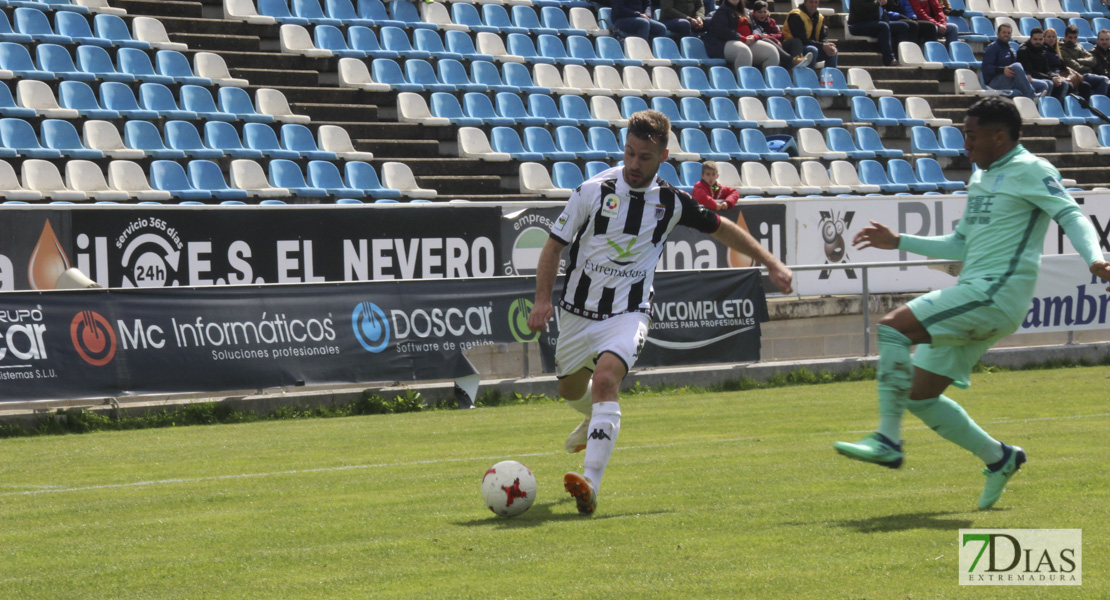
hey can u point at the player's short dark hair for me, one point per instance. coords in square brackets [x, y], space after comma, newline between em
[1071, 29]
[650, 125]
[1034, 31]
[999, 112]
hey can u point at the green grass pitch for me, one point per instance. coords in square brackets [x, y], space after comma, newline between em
[711, 495]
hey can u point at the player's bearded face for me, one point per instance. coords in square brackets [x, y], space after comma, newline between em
[642, 158]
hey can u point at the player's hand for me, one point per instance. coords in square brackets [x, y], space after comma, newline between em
[782, 277]
[542, 311]
[1101, 269]
[876, 235]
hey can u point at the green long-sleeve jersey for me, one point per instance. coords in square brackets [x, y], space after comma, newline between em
[1001, 234]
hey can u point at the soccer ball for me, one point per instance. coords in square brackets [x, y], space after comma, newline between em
[508, 488]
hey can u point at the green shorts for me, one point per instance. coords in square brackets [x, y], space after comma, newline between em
[963, 325]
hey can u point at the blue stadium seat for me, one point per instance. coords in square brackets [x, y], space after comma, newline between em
[396, 40]
[602, 138]
[724, 109]
[806, 79]
[610, 49]
[963, 29]
[386, 71]
[983, 27]
[520, 44]
[119, 97]
[694, 78]
[375, 11]
[631, 105]
[300, 139]
[936, 52]
[345, 12]
[453, 73]
[505, 139]
[924, 141]
[961, 5]
[574, 107]
[694, 140]
[260, 136]
[594, 167]
[754, 141]
[1051, 107]
[510, 106]
[551, 47]
[1087, 10]
[478, 106]
[324, 174]
[206, 175]
[901, 172]
[7, 34]
[868, 139]
[95, 60]
[329, 37]
[694, 48]
[518, 75]
[405, 12]
[1073, 108]
[18, 135]
[198, 99]
[1101, 103]
[566, 175]
[223, 136]
[1085, 32]
[459, 42]
[690, 112]
[725, 141]
[751, 78]
[690, 172]
[537, 139]
[544, 105]
[172, 63]
[961, 51]
[724, 79]
[15, 58]
[779, 78]
[446, 106]
[111, 27]
[951, 138]
[33, 22]
[420, 72]
[865, 111]
[286, 174]
[361, 175]
[428, 40]
[158, 98]
[311, 10]
[525, 17]
[1104, 135]
[183, 136]
[570, 139]
[8, 107]
[486, 73]
[238, 102]
[1027, 24]
[667, 173]
[580, 48]
[362, 39]
[497, 16]
[833, 79]
[809, 108]
[279, 10]
[928, 170]
[780, 108]
[137, 63]
[839, 139]
[871, 172]
[554, 18]
[466, 14]
[665, 48]
[891, 108]
[61, 135]
[57, 60]
[169, 176]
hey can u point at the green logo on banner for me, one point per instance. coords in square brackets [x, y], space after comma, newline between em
[518, 321]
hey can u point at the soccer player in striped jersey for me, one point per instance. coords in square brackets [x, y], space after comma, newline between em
[616, 224]
[1010, 201]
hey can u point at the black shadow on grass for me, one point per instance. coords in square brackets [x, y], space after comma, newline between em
[541, 514]
[906, 522]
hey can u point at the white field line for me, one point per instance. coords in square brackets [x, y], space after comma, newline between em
[55, 489]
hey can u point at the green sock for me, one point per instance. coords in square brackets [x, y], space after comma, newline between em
[895, 379]
[952, 423]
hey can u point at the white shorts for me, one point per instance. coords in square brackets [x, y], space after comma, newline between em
[582, 340]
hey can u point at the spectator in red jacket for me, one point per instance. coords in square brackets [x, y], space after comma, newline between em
[709, 193]
[931, 11]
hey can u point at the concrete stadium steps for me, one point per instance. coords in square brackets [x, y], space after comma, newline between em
[162, 8]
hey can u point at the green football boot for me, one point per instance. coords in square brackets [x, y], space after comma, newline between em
[1012, 459]
[875, 448]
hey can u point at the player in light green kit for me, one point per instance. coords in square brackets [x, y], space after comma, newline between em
[999, 239]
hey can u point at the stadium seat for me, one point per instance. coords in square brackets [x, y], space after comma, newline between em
[578, 77]
[813, 173]
[18, 138]
[279, 11]
[964, 32]
[811, 144]
[311, 10]
[667, 81]
[666, 49]
[145, 136]
[43, 177]
[861, 80]
[15, 59]
[865, 111]
[726, 110]
[891, 108]
[580, 47]
[128, 177]
[751, 78]
[154, 33]
[183, 136]
[755, 175]
[406, 13]
[7, 34]
[375, 11]
[754, 141]
[56, 59]
[868, 139]
[364, 41]
[509, 106]
[420, 72]
[871, 172]
[833, 79]
[460, 43]
[609, 78]
[398, 176]
[779, 108]
[778, 77]
[137, 63]
[575, 108]
[924, 141]
[570, 140]
[74, 95]
[491, 44]
[809, 108]
[158, 98]
[936, 52]
[551, 47]
[473, 143]
[478, 106]
[118, 97]
[206, 175]
[694, 112]
[694, 48]
[901, 172]
[535, 180]
[298, 138]
[95, 60]
[605, 109]
[969, 82]
[1027, 107]
[505, 140]
[446, 106]
[354, 74]
[103, 136]
[236, 102]
[170, 176]
[436, 13]
[566, 175]
[335, 139]
[918, 108]
[541, 105]
[928, 170]
[9, 108]
[286, 174]
[550, 77]
[594, 167]
[411, 108]
[344, 12]
[631, 105]
[844, 173]
[611, 50]
[694, 79]
[249, 176]
[325, 174]
[1051, 107]
[584, 19]
[695, 141]
[724, 140]
[751, 109]
[112, 27]
[38, 96]
[327, 40]
[453, 73]
[1074, 109]
[806, 83]
[839, 139]
[520, 77]
[602, 138]
[33, 22]
[429, 42]
[1104, 135]
[538, 139]
[785, 175]
[951, 138]
[272, 102]
[223, 137]
[11, 190]
[262, 137]
[61, 135]
[638, 49]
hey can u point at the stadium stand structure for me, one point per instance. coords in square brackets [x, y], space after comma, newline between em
[200, 50]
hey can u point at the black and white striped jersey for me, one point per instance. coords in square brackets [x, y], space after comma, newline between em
[616, 237]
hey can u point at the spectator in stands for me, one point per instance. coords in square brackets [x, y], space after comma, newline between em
[633, 18]
[1101, 52]
[683, 17]
[871, 18]
[1076, 58]
[1002, 71]
[805, 31]
[711, 194]
[921, 30]
[764, 26]
[1040, 63]
[729, 36]
[931, 11]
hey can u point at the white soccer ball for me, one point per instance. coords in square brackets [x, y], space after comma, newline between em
[508, 488]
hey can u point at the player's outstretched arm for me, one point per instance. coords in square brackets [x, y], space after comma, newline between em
[876, 235]
[546, 271]
[733, 236]
[1101, 269]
